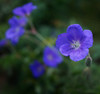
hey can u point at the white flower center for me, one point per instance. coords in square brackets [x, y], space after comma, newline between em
[50, 57]
[75, 44]
[39, 69]
[17, 29]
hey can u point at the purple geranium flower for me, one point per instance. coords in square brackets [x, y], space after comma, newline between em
[52, 57]
[16, 22]
[14, 40]
[24, 10]
[75, 43]
[37, 69]
[14, 34]
[3, 42]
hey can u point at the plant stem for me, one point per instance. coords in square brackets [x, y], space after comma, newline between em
[38, 35]
[29, 38]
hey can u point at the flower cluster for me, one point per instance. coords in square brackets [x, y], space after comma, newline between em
[75, 43]
[17, 24]
[51, 58]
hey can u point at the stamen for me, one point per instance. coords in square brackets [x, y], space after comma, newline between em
[75, 44]
[17, 29]
[50, 57]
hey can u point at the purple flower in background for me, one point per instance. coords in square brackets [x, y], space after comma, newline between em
[52, 57]
[24, 10]
[37, 69]
[14, 34]
[75, 43]
[14, 40]
[3, 42]
[16, 22]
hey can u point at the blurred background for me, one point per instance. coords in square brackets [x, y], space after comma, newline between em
[50, 19]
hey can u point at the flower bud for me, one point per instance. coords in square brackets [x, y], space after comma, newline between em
[88, 61]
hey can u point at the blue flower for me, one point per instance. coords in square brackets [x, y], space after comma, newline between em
[14, 34]
[37, 69]
[24, 10]
[75, 43]
[52, 57]
[3, 42]
[17, 22]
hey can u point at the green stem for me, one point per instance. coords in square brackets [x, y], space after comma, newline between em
[43, 39]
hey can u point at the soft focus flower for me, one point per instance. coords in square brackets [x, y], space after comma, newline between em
[52, 57]
[37, 69]
[14, 34]
[75, 42]
[24, 10]
[3, 42]
[14, 40]
[16, 22]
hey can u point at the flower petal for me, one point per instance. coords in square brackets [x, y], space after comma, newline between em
[20, 31]
[13, 21]
[88, 42]
[49, 63]
[3, 42]
[28, 8]
[75, 31]
[37, 69]
[10, 33]
[52, 57]
[22, 21]
[18, 11]
[62, 39]
[14, 40]
[79, 54]
[13, 32]
[66, 49]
